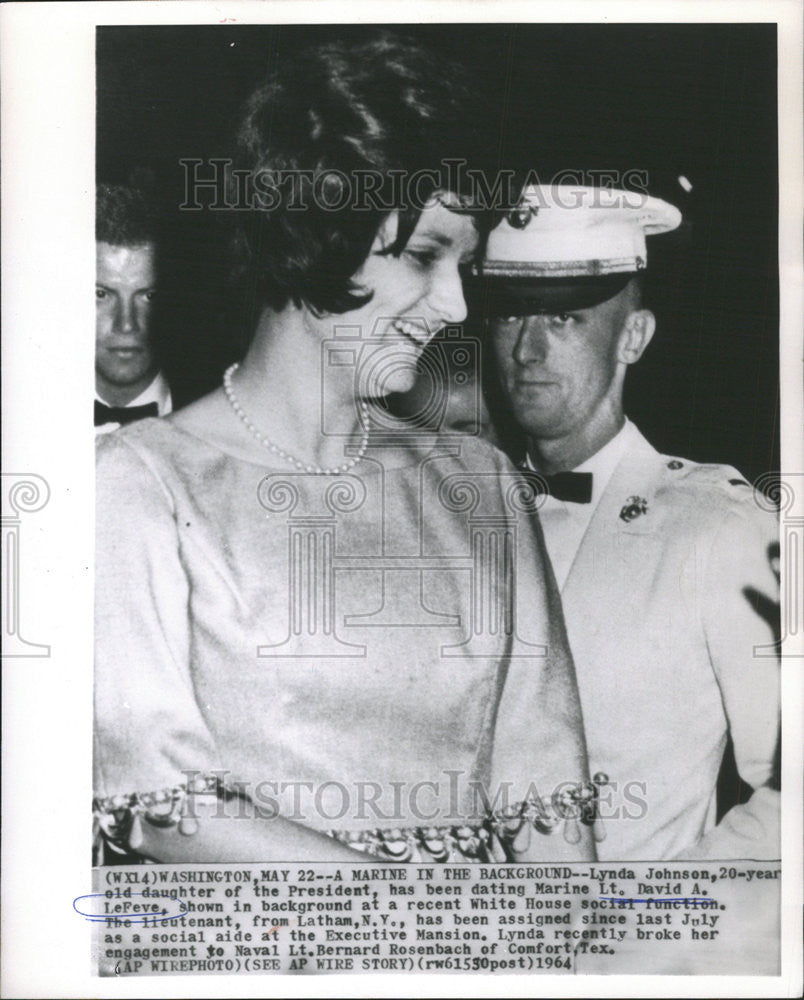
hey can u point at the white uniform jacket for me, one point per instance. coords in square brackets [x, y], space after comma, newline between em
[672, 650]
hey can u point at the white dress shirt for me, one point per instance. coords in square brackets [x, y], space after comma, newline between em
[157, 392]
[565, 523]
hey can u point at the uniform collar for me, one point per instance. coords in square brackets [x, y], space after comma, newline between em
[604, 461]
[602, 464]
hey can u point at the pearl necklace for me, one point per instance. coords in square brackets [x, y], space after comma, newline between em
[270, 446]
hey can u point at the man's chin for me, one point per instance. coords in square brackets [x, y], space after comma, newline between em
[535, 422]
[118, 389]
[126, 377]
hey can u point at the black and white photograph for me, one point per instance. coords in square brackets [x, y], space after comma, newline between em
[444, 537]
[265, 653]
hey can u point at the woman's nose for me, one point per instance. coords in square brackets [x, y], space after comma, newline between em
[447, 297]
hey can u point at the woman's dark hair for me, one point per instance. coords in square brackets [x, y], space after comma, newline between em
[340, 136]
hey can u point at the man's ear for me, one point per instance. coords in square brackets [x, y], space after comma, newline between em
[637, 333]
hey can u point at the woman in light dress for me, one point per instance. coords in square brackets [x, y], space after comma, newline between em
[320, 634]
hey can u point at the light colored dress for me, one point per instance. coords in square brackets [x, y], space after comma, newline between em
[360, 653]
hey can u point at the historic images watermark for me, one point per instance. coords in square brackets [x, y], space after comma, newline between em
[431, 815]
[451, 364]
[452, 797]
[23, 493]
[777, 492]
[317, 510]
[217, 184]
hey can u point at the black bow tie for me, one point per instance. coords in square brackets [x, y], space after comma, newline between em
[123, 414]
[574, 487]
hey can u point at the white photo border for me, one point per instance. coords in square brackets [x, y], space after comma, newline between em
[48, 93]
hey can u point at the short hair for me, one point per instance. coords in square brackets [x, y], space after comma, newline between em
[124, 216]
[388, 107]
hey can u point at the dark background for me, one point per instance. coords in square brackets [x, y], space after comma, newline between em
[692, 100]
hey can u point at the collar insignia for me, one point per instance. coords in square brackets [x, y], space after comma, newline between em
[634, 507]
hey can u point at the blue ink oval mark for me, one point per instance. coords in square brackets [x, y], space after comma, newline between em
[132, 915]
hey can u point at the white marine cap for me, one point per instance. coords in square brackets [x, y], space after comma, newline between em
[567, 231]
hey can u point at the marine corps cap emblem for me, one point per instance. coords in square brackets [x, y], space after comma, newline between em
[634, 506]
[519, 217]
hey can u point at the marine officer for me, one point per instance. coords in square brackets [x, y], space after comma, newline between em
[658, 558]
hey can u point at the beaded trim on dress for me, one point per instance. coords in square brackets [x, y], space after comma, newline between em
[501, 835]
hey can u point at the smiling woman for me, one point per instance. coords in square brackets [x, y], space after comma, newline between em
[418, 292]
[312, 635]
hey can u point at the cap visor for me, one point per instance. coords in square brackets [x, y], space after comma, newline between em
[531, 297]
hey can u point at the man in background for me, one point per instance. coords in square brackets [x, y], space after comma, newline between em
[659, 560]
[128, 383]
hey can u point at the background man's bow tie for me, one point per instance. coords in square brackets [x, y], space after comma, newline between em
[123, 414]
[575, 487]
